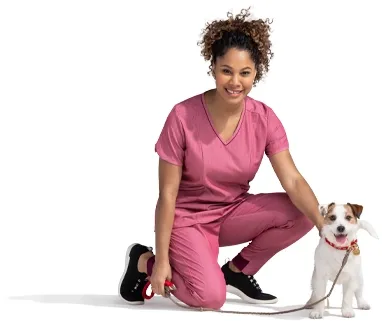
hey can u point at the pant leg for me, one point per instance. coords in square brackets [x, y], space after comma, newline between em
[270, 222]
[194, 264]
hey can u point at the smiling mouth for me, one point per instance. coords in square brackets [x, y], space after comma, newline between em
[341, 238]
[233, 92]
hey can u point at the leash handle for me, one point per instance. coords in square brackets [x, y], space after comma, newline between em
[168, 285]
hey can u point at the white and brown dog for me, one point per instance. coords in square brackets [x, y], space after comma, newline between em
[342, 222]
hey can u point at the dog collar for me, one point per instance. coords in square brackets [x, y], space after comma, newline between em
[354, 242]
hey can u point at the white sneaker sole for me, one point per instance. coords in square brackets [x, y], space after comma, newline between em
[127, 260]
[241, 295]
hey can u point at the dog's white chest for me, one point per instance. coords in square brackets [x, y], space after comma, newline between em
[333, 269]
[339, 233]
[330, 260]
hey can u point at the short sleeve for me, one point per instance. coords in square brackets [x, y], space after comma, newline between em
[277, 139]
[171, 143]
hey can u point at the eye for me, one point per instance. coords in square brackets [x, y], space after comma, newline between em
[348, 217]
[226, 71]
[246, 73]
[333, 218]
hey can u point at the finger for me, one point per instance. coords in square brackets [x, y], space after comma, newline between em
[158, 289]
[155, 288]
[161, 290]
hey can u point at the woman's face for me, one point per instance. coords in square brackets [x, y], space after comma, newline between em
[234, 74]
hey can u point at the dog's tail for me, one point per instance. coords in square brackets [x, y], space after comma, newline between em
[368, 227]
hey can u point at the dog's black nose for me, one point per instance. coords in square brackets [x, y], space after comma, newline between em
[341, 228]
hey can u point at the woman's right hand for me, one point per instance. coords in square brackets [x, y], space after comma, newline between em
[161, 272]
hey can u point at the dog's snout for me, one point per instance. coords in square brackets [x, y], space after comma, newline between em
[341, 228]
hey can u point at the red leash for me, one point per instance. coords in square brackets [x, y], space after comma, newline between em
[167, 284]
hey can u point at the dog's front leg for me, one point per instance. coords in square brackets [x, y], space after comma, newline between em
[319, 282]
[361, 302]
[347, 300]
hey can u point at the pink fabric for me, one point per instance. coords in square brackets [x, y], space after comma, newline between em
[270, 222]
[216, 174]
[214, 207]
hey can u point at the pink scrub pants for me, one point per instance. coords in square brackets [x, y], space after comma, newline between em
[270, 222]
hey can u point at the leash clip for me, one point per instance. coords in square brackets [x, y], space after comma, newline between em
[168, 287]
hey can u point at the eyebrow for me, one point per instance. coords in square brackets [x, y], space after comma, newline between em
[231, 67]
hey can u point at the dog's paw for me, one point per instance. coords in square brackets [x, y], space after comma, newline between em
[348, 313]
[315, 314]
[363, 305]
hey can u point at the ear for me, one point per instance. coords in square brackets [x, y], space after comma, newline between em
[324, 208]
[213, 66]
[368, 227]
[357, 209]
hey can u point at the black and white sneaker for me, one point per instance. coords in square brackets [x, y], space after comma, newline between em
[245, 287]
[132, 281]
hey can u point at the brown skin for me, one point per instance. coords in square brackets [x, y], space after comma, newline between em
[225, 111]
[235, 70]
[296, 187]
[169, 180]
[257, 29]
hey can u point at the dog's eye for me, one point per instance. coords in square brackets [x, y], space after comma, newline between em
[333, 218]
[348, 217]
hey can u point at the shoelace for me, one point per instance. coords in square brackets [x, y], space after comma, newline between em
[250, 277]
[304, 307]
[254, 282]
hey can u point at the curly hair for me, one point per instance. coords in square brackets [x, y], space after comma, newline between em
[241, 33]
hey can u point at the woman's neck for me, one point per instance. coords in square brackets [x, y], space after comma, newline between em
[218, 107]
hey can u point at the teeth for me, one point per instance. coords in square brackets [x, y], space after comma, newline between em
[233, 92]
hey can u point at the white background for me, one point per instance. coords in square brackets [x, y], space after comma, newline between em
[85, 90]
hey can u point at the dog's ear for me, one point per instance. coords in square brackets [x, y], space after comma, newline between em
[368, 227]
[324, 208]
[357, 209]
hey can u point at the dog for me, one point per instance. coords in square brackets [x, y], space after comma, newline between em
[342, 222]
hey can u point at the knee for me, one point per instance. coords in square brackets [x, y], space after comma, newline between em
[211, 299]
[210, 294]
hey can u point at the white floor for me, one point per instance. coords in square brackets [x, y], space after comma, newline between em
[110, 307]
[78, 171]
[77, 279]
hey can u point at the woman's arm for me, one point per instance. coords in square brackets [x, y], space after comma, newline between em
[169, 179]
[296, 187]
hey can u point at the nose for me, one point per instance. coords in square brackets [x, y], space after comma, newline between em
[341, 228]
[234, 80]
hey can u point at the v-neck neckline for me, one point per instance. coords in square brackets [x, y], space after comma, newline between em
[225, 143]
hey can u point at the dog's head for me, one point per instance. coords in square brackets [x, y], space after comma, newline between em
[342, 222]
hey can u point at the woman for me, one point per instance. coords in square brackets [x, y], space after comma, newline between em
[210, 148]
